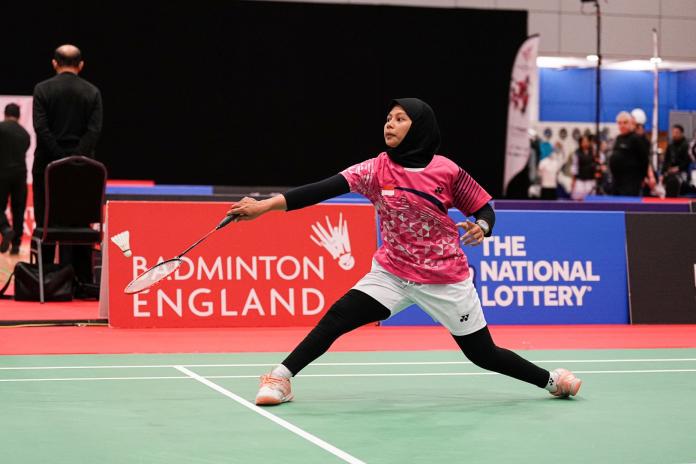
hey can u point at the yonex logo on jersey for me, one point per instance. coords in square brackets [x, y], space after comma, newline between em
[439, 190]
[464, 318]
[335, 240]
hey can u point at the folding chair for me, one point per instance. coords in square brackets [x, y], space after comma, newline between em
[74, 213]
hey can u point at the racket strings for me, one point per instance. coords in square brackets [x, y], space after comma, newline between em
[153, 275]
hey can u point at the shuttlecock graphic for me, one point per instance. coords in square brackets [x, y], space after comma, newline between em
[122, 241]
[335, 240]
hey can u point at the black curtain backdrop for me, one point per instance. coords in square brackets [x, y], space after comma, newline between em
[263, 93]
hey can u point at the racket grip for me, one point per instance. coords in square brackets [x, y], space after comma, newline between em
[227, 220]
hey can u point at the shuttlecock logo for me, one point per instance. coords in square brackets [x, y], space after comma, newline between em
[335, 240]
[122, 242]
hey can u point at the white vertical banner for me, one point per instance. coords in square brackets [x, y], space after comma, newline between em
[523, 85]
[25, 119]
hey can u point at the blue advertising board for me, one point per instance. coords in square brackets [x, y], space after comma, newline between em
[547, 267]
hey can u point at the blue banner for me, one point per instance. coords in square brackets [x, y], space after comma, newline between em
[547, 268]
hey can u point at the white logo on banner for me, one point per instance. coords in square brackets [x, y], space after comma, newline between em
[335, 240]
[539, 282]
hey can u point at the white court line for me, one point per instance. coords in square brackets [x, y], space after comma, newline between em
[396, 363]
[283, 423]
[405, 374]
[63, 379]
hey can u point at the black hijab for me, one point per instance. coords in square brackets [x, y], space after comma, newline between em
[422, 140]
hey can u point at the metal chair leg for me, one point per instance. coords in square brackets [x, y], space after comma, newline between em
[41, 275]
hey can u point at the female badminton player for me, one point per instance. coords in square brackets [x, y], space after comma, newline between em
[420, 260]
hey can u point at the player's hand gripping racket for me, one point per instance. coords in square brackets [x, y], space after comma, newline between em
[164, 269]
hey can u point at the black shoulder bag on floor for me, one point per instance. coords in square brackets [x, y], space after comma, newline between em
[59, 280]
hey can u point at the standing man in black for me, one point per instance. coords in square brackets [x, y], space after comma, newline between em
[629, 159]
[14, 143]
[675, 169]
[67, 121]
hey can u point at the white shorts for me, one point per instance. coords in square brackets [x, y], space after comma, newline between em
[455, 306]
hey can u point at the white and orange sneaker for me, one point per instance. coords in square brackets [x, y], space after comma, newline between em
[273, 390]
[566, 383]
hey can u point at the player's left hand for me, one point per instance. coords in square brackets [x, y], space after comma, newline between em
[473, 235]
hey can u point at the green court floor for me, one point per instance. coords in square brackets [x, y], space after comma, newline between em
[635, 406]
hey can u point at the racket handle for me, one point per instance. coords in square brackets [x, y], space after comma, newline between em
[227, 220]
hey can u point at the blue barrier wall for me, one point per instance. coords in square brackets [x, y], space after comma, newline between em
[569, 95]
[686, 88]
[514, 270]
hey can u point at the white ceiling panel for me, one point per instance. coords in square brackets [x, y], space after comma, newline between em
[678, 38]
[547, 26]
[487, 4]
[614, 7]
[421, 3]
[531, 5]
[628, 36]
[678, 8]
[577, 34]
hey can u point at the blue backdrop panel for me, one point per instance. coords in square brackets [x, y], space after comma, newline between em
[548, 268]
[569, 94]
[686, 90]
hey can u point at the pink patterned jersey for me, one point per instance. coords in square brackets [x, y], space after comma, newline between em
[420, 242]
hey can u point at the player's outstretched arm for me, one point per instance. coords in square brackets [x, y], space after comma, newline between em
[296, 198]
[250, 208]
[311, 194]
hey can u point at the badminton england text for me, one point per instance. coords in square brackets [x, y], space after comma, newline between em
[528, 274]
[206, 302]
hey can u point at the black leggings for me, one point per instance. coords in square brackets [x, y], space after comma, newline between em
[356, 309]
[352, 310]
[482, 351]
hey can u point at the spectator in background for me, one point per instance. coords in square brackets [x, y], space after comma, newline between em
[545, 147]
[691, 180]
[67, 121]
[14, 143]
[602, 177]
[675, 169]
[629, 159]
[639, 119]
[548, 169]
[584, 169]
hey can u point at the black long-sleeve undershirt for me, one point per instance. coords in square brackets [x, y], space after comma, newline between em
[311, 194]
[487, 214]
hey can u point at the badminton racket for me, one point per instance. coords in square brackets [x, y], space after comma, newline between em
[164, 269]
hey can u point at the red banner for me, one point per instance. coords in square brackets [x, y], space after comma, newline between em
[284, 269]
